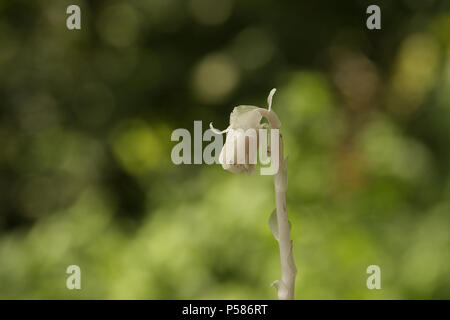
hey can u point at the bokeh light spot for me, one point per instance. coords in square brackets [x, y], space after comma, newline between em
[137, 147]
[215, 77]
[253, 48]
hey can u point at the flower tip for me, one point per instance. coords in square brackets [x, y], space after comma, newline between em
[215, 130]
[270, 97]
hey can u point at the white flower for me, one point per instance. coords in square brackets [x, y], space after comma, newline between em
[242, 134]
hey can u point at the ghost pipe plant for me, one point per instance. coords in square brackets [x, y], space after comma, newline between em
[242, 119]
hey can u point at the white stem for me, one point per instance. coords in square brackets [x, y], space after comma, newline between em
[286, 285]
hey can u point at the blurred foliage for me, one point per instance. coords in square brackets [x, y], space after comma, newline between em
[85, 170]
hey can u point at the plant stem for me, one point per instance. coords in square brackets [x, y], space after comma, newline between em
[286, 286]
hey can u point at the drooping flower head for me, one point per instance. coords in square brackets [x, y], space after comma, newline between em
[242, 134]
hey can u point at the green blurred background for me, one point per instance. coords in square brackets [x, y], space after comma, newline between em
[86, 176]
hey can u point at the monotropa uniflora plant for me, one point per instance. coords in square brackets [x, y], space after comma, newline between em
[242, 119]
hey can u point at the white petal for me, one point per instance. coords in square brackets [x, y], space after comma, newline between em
[245, 117]
[217, 131]
[269, 98]
[272, 117]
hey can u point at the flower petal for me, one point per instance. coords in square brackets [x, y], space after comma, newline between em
[216, 131]
[245, 117]
[270, 97]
